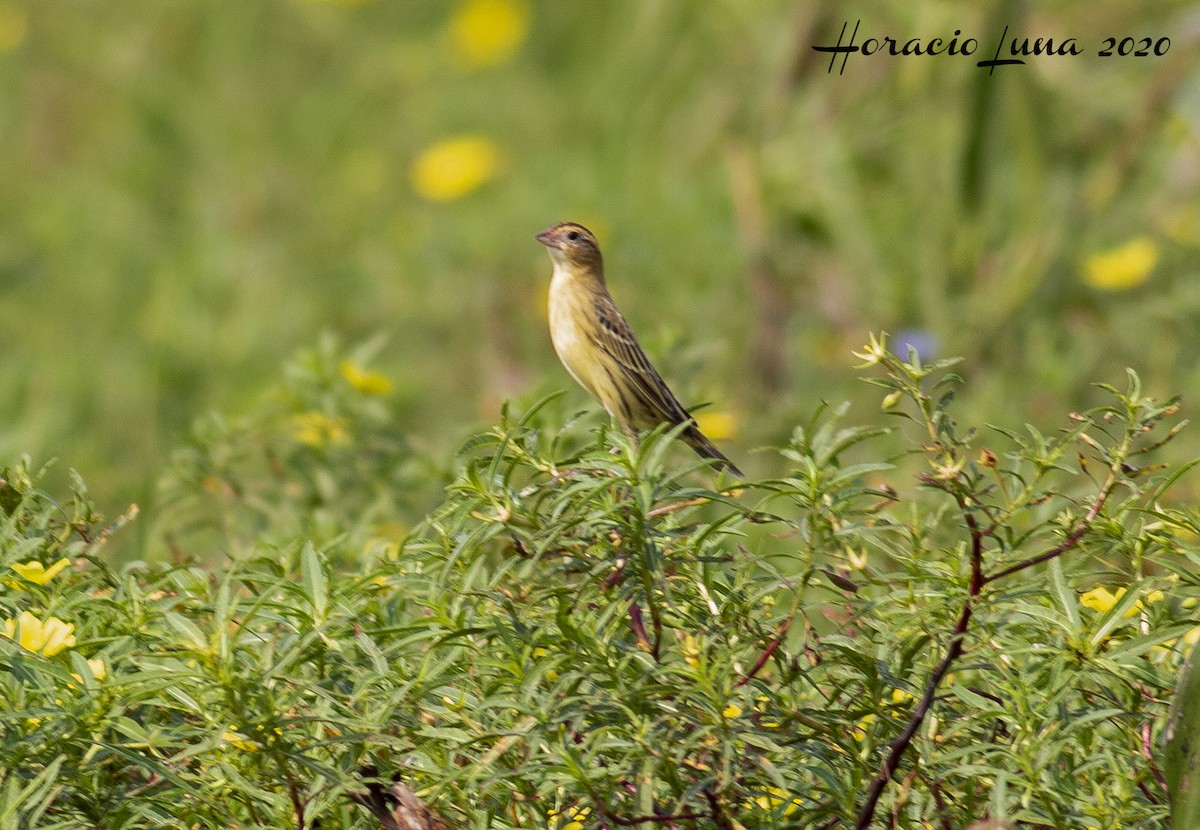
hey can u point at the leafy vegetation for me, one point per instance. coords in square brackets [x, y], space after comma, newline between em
[584, 633]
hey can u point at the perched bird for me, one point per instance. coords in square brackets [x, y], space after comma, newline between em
[594, 342]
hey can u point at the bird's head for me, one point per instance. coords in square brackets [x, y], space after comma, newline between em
[572, 245]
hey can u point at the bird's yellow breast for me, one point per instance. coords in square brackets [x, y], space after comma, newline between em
[572, 324]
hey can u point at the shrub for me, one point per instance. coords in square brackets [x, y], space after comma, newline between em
[582, 634]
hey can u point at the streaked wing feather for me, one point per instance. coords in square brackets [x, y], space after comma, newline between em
[616, 339]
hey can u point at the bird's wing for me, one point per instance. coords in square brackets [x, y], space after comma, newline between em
[614, 337]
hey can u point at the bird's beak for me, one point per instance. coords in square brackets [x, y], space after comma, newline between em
[548, 238]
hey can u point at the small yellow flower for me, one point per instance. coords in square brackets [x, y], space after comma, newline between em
[731, 711]
[369, 383]
[860, 731]
[773, 797]
[488, 32]
[96, 667]
[48, 638]
[691, 651]
[320, 430]
[235, 738]
[1193, 636]
[1124, 267]
[1100, 598]
[873, 352]
[14, 26]
[574, 816]
[455, 167]
[900, 700]
[718, 426]
[37, 573]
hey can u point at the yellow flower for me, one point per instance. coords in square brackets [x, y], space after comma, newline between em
[48, 638]
[691, 651]
[237, 739]
[873, 352]
[488, 32]
[37, 573]
[773, 797]
[14, 26]
[900, 700]
[1124, 267]
[96, 667]
[575, 817]
[860, 731]
[319, 430]
[731, 711]
[1101, 599]
[717, 425]
[454, 167]
[369, 383]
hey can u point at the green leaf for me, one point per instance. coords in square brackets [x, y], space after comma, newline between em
[1181, 746]
[316, 584]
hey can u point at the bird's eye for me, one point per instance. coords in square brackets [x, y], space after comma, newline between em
[573, 236]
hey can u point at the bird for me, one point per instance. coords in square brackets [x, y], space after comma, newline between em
[598, 348]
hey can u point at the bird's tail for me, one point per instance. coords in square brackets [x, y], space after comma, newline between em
[705, 449]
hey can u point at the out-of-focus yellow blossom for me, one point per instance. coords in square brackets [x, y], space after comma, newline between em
[900, 700]
[488, 32]
[860, 731]
[48, 638]
[538, 654]
[369, 383]
[731, 711]
[234, 738]
[1193, 636]
[773, 797]
[454, 167]
[1101, 599]
[96, 667]
[1124, 267]
[691, 651]
[14, 26]
[717, 425]
[320, 430]
[37, 573]
[574, 817]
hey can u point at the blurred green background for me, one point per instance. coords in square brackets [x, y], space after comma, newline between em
[193, 191]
